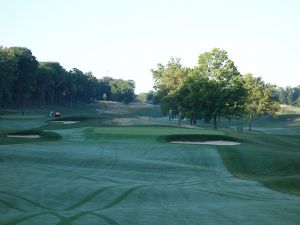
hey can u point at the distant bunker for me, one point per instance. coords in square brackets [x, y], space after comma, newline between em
[202, 139]
[63, 122]
[31, 136]
[34, 134]
[68, 120]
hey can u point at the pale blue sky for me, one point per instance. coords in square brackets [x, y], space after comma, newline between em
[125, 39]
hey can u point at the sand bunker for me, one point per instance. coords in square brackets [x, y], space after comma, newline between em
[63, 122]
[23, 136]
[206, 142]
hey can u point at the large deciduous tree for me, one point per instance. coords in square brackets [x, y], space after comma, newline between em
[226, 94]
[260, 98]
[167, 81]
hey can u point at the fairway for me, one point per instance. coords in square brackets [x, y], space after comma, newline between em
[149, 112]
[128, 175]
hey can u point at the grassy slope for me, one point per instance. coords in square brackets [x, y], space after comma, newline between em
[271, 156]
[269, 159]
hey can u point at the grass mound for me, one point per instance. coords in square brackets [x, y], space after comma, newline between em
[272, 160]
[19, 137]
[288, 184]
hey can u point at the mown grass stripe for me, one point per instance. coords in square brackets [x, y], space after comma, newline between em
[120, 198]
[26, 200]
[12, 206]
[107, 219]
[88, 198]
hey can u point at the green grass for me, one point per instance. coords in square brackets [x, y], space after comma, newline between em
[269, 159]
[153, 112]
[131, 175]
[272, 160]
[141, 132]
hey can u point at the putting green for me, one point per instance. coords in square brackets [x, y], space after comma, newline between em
[128, 176]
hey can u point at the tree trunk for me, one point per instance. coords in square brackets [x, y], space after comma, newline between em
[215, 122]
[71, 101]
[191, 121]
[17, 91]
[52, 97]
[179, 119]
[250, 123]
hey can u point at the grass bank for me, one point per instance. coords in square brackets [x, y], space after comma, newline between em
[272, 160]
[10, 136]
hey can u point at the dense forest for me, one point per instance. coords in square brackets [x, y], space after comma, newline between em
[25, 82]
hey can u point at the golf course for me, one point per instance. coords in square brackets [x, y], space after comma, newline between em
[108, 163]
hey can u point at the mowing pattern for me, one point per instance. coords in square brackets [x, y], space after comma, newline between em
[90, 178]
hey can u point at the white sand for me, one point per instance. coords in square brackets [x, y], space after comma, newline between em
[64, 122]
[23, 136]
[206, 142]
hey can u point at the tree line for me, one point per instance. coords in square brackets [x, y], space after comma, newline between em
[289, 95]
[25, 82]
[211, 90]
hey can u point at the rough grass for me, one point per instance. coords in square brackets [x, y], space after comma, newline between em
[270, 159]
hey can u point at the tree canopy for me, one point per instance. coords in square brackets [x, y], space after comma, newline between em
[213, 89]
[261, 98]
[25, 82]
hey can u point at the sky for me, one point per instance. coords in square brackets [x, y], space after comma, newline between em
[127, 38]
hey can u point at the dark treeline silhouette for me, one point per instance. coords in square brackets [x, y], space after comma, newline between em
[25, 82]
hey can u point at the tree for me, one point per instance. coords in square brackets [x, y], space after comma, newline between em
[24, 81]
[122, 91]
[167, 81]
[54, 79]
[26, 68]
[105, 88]
[43, 83]
[226, 94]
[194, 98]
[142, 97]
[146, 97]
[289, 95]
[92, 86]
[260, 98]
[7, 76]
[295, 95]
